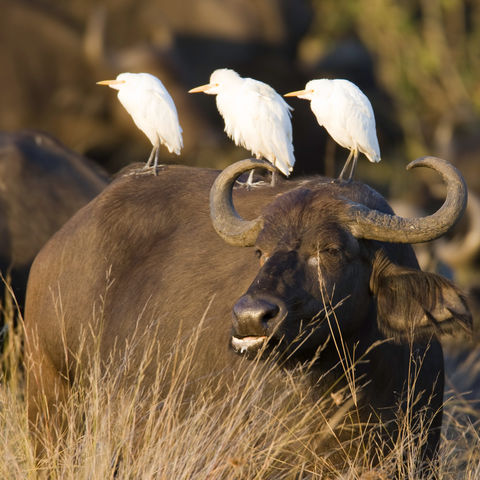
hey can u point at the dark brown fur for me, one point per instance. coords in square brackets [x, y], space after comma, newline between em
[154, 236]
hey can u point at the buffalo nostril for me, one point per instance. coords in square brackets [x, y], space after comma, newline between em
[252, 315]
[271, 311]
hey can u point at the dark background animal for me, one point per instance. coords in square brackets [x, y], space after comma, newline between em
[42, 184]
[145, 250]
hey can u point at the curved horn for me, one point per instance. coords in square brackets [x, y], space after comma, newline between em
[226, 221]
[375, 225]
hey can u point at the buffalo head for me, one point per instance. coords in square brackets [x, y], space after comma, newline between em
[329, 261]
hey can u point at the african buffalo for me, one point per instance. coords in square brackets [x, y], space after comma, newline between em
[321, 259]
[42, 184]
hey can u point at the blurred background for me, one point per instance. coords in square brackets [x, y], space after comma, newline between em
[417, 60]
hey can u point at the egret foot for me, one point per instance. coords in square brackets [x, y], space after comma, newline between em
[250, 186]
[147, 170]
[153, 156]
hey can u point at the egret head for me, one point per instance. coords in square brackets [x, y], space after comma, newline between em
[133, 81]
[118, 83]
[221, 78]
[312, 88]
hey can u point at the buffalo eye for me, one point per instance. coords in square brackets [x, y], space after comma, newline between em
[333, 251]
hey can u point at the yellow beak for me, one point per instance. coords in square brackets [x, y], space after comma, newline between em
[202, 88]
[297, 93]
[110, 82]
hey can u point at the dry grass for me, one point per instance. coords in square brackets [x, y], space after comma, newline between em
[258, 428]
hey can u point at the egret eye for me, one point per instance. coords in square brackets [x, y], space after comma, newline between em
[258, 253]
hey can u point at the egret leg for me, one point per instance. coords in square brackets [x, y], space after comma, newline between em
[249, 183]
[347, 163]
[150, 158]
[354, 165]
[155, 163]
[273, 180]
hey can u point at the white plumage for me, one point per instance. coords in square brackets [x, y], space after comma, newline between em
[152, 109]
[256, 116]
[347, 115]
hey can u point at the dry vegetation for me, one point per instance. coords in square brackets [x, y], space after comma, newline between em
[254, 430]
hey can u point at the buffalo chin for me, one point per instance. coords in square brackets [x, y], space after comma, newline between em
[248, 344]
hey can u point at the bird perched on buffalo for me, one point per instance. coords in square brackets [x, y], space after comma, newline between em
[256, 117]
[152, 109]
[347, 115]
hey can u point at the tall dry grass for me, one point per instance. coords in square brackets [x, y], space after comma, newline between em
[268, 424]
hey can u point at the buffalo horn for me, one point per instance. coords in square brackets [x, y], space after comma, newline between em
[375, 225]
[226, 221]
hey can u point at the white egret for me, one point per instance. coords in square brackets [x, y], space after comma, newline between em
[347, 115]
[152, 109]
[256, 117]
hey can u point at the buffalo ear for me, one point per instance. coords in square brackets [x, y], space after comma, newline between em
[412, 304]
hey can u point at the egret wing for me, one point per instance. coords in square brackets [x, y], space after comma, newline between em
[163, 114]
[267, 124]
[359, 120]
